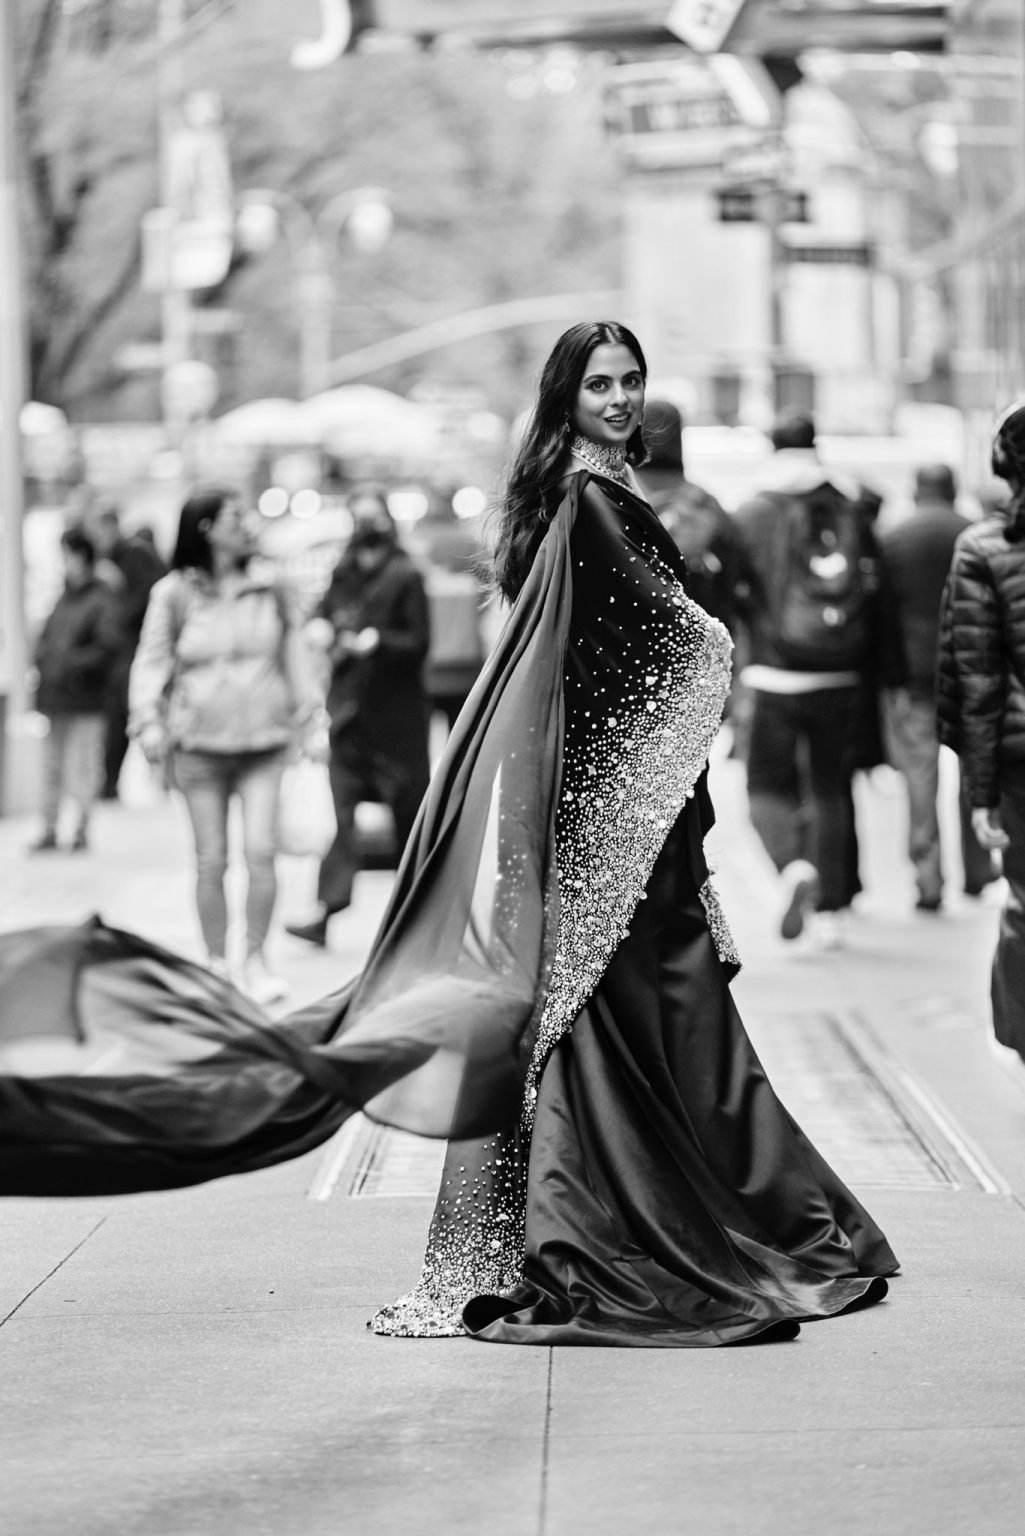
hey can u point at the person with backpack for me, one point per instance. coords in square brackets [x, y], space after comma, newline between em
[219, 690]
[810, 602]
[701, 530]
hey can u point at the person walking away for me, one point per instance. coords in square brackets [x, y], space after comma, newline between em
[376, 610]
[981, 704]
[220, 688]
[702, 531]
[451, 556]
[131, 566]
[75, 653]
[811, 610]
[916, 557]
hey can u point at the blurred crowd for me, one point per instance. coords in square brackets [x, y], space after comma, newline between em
[223, 672]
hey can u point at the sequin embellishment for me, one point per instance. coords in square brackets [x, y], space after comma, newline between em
[626, 777]
[625, 782]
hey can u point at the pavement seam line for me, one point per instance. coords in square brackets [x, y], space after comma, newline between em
[546, 1436]
[60, 1265]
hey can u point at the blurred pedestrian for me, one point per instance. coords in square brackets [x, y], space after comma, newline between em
[377, 630]
[130, 565]
[75, 653]
[981, 703]
[220, 689]
[701, 530]
[810, 604]
[451, 554]
[916, 557]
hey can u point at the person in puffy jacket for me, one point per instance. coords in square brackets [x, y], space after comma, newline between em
[220, 688]
[74, 657]
[981, 703]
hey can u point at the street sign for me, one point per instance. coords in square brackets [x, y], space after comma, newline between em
[737, 205]
[853, 255]
[703, 25]
[768, 160]
[748, 204]
[673, 112]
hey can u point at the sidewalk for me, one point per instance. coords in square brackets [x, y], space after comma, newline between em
[196, 1363]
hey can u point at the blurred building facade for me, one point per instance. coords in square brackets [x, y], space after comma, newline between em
[986, 261]
[752, 216]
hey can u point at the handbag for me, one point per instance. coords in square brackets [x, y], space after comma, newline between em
[306, 810]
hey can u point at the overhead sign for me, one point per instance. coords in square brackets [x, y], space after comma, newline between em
[704, 25]
[674, 113]
[854, 255]
[748, 205]
[766, 160]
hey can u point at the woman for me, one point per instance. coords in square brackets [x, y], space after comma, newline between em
[549, 987]
[981, 703]
[219, 690]
[375, 610]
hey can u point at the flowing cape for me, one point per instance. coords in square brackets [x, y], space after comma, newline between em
[125, 1067]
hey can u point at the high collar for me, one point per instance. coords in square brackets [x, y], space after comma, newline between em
[608, 459]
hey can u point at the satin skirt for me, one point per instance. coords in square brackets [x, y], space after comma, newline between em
[671, 1199]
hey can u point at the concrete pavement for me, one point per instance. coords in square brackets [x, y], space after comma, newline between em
[196, 1363]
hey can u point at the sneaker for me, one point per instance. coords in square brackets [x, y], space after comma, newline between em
[80, 842]
[801, 887]
[826, 930]
[314, 932]
[46, 842]
[220, 968]
[929, 904]
[260, 984]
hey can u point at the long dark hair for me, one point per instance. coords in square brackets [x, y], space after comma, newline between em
[201, 509]
[532, 490]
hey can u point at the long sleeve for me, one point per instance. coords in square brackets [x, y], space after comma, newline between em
[406, 641]
[100, 642]
[306, 696]
[154, 663]
[972, 633]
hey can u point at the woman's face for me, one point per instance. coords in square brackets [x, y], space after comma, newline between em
[610, 400]
[231, 531]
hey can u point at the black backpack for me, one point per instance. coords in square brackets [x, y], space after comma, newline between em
[826, 579]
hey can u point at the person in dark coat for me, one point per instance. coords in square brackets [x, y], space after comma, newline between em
[701, 530]
[131, 567]
[377, 704]
[75, 654]
[916, 555]
[981, 703]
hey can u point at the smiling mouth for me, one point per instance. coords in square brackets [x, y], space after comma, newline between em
[618, 421]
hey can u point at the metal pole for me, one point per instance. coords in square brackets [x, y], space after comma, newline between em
[175, 311]
[315, 295]
[12, 390]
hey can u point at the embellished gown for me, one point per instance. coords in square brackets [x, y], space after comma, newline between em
[549, 991]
